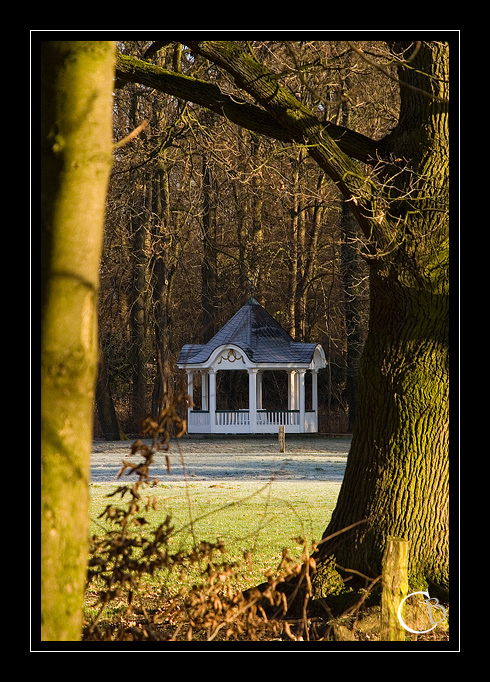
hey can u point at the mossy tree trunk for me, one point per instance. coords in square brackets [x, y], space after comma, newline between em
[397, 470]
[398, 466]
[76, 138]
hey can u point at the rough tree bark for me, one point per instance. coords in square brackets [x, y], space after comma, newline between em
[397, 470]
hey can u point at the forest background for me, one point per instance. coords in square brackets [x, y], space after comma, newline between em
[202, 212]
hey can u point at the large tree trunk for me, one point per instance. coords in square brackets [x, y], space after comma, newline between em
[76, 136]
[397, 471]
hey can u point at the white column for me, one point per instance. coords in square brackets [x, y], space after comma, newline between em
[259, 390]
[190, 384]
[301, 398]
[292, 393]
[314, 395]
[314, 390]
[212, 399]
[190, 393]
[204, 391]
[252, 399]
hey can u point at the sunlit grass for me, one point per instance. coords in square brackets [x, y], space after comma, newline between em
[257, 518]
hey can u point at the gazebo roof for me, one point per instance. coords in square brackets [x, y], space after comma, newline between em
[257, 334]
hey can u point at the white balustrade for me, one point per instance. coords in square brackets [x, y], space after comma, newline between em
[232, 418]
[238, 421]
[198, 419]
[278, 417]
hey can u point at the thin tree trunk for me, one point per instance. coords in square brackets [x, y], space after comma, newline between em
[138, 324]
[351, 275]
[310, 256]
[257, 236]
[163, 270]
[293, 255]
[106, 411]
[209, 261]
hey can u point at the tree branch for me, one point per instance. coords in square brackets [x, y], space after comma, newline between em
[282, 117]
[303, 125]
[132, 70]
[250, 116]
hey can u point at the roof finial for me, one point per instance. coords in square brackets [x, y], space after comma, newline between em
[251, 300]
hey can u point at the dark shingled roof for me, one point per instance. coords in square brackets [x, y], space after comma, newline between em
[258, 335]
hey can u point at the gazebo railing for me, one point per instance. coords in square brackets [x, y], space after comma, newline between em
[232, 418]
[278, 417]
[199, 419]
[239, 420]
[264, 418]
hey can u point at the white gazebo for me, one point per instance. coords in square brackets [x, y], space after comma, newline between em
[254, 342]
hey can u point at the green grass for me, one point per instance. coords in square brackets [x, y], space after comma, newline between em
[253, 517]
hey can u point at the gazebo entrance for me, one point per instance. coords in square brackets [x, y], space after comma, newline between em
[254, 343]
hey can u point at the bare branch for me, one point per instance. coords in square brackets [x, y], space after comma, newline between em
[131, 135]
[385, 71]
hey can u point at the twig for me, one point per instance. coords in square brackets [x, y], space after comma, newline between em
[131, 135]
[343, 530]
[384, 71]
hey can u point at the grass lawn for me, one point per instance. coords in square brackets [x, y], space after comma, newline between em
[253, 517]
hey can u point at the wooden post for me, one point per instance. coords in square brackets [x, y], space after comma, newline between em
[395, 589]
[282, 439]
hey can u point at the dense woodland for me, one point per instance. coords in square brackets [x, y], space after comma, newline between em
[201, 212]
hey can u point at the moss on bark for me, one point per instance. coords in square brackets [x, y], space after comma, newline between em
[76, 142]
